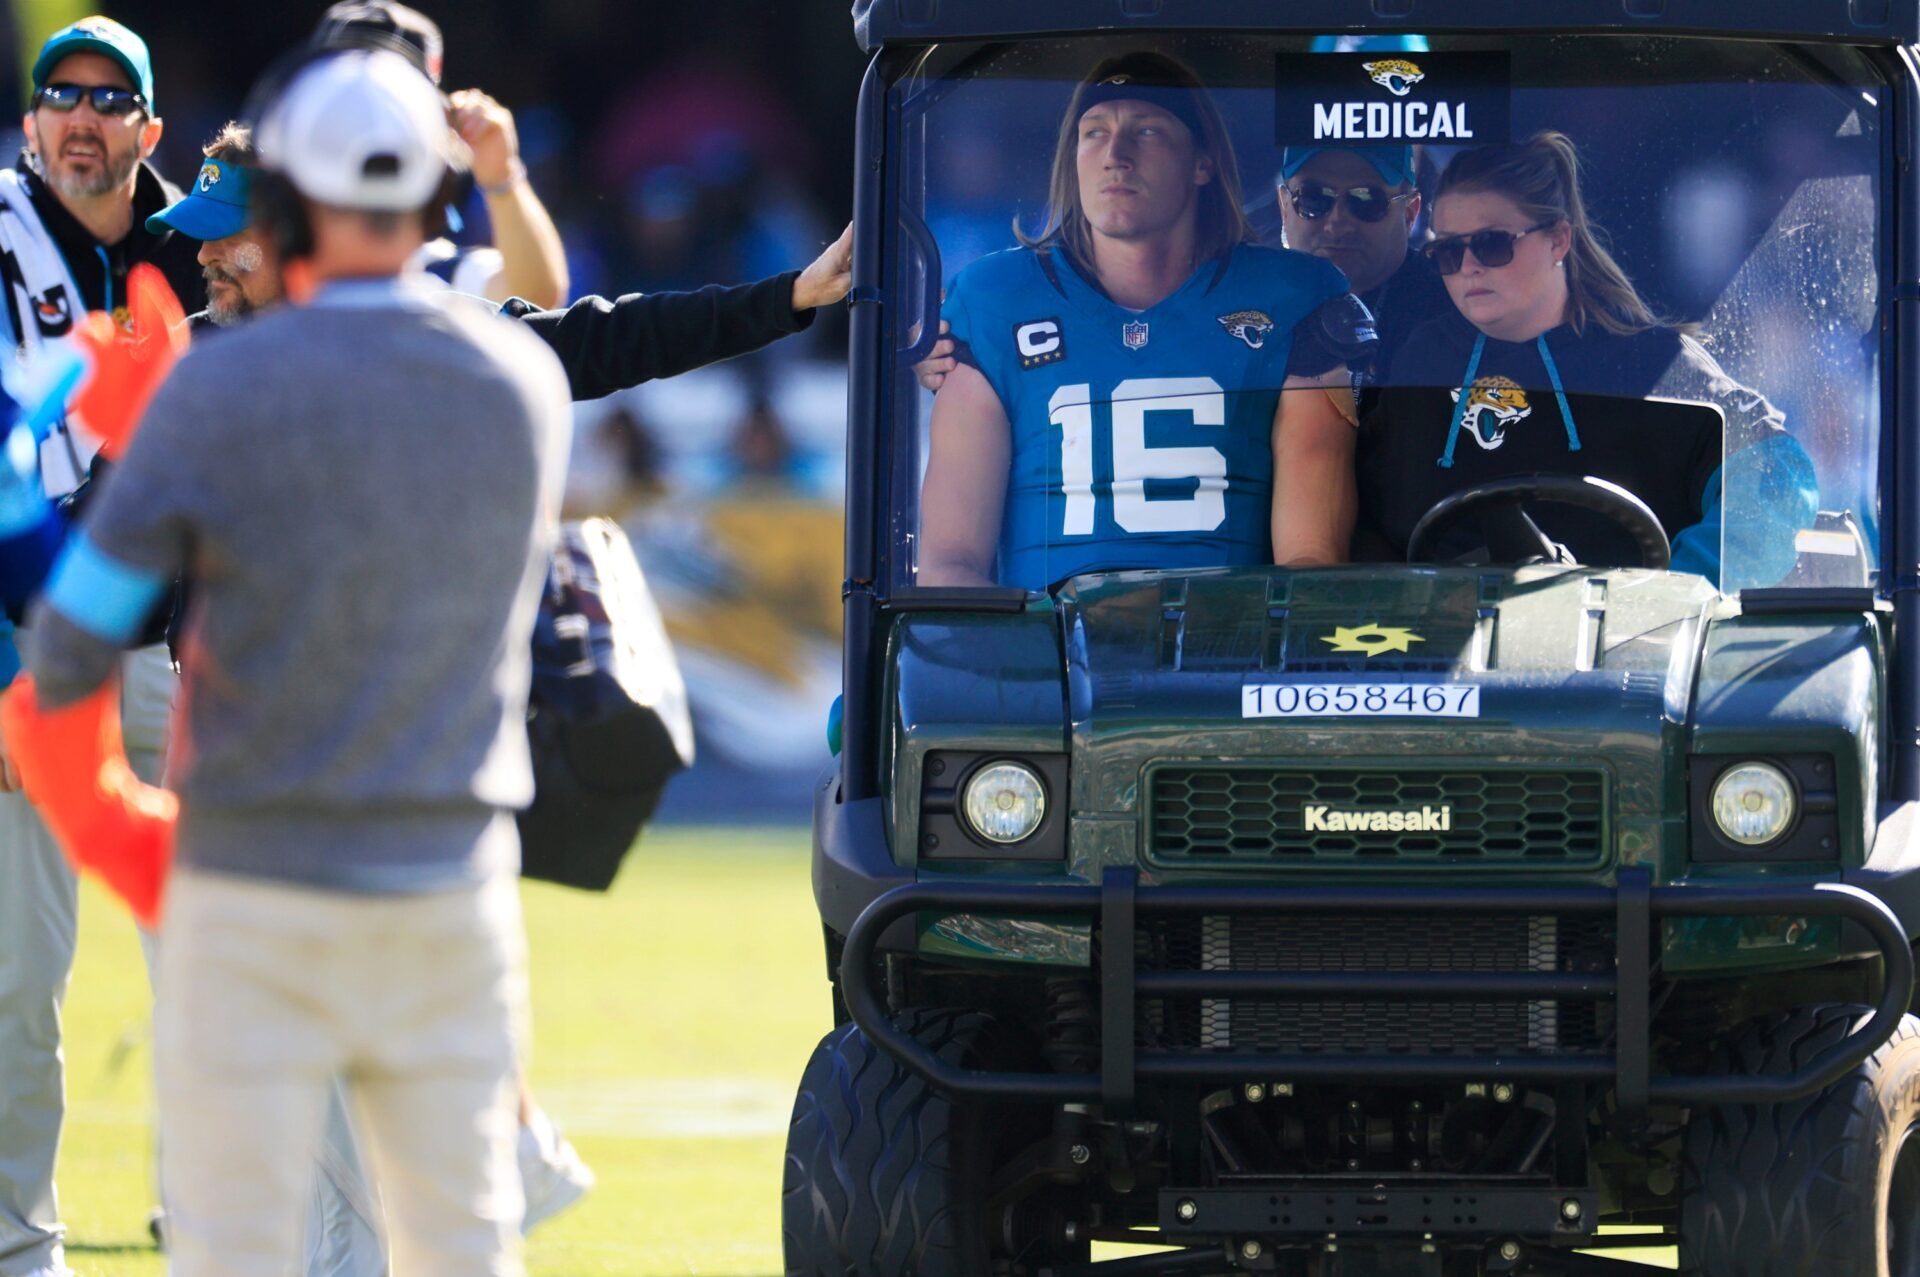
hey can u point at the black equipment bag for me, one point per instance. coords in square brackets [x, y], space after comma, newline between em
[607, 718]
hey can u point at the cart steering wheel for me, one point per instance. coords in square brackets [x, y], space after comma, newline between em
[1512, 537]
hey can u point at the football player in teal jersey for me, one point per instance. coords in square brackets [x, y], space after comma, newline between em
[1139, 386]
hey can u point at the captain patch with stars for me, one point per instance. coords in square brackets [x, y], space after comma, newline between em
[1039, 342]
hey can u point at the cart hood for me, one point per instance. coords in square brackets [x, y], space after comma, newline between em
[1567, 665]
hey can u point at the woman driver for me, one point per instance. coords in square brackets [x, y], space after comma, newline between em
[1544, 366]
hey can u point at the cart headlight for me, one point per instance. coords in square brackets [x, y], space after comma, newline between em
[1004, 802]
[1753, 803]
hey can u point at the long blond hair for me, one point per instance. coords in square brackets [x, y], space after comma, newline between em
[1219, 223]
[1542, 176]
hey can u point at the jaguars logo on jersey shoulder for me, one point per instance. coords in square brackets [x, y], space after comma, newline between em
[1396, 75]
[1494, 404]
[1250, 326]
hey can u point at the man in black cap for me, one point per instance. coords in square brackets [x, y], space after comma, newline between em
[527, 258]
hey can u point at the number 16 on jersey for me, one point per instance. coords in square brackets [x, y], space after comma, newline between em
[1202, 401]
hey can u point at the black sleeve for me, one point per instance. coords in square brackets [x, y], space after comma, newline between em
[1340, 331]
[609, 345]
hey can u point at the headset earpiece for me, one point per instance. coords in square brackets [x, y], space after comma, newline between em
[281, 215]
[434, 216]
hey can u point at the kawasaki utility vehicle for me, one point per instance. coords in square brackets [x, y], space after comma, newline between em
[1476, 906]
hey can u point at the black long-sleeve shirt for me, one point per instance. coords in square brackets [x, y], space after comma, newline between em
[609, 345]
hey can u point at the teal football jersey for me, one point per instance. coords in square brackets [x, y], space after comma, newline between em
[1140, 440]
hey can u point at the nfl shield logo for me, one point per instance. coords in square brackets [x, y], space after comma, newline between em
[1134, 334]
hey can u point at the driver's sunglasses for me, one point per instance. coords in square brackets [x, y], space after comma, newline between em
[1492, 248]
[1364, 203]
[106, 99]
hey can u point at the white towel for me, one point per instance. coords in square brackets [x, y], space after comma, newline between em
[42, 305]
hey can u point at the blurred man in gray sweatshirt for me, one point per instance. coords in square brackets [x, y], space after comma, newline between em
[367, 560]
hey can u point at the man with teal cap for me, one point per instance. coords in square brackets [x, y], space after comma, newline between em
[84, 189]
[72, 224]
[237, 262]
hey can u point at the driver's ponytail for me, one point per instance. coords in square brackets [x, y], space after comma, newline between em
[1542, 176]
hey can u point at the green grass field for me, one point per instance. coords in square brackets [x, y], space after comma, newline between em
[671, 1021]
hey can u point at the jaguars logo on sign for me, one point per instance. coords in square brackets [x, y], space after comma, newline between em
[1493, 405]
[1379, 100]
[1396, 75]
[208, 179]
[1250, 326]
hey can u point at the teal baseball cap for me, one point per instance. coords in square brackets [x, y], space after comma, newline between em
[214, 208]
[104, 36]
[1394, 164]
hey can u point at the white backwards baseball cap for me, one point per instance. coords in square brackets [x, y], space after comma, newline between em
[361, 129]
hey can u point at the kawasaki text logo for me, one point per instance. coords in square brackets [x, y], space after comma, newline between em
[1322, 819]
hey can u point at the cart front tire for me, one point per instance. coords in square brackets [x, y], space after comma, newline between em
[1825, 1186]
[885, 1175]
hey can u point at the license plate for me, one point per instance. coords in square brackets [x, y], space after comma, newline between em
[1360, 700]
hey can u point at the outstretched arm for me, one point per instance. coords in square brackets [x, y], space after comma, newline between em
[970, 448]
[610, 345]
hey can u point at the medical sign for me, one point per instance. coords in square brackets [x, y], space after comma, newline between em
[1379, 99]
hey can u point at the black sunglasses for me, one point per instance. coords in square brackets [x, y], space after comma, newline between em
[1492, 248]
[1364, 203]
[106, 99]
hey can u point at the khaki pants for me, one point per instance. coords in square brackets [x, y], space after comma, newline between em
[266, 993]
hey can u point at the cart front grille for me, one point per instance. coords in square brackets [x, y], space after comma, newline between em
[1258, 815]
[1378, 944]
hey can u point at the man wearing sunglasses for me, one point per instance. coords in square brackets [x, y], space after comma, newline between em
[90, 127]
[72, 224]
[1357, 209]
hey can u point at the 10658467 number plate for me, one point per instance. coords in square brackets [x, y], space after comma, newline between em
[1360, 700]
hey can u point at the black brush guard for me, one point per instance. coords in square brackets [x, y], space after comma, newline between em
[1633, 904]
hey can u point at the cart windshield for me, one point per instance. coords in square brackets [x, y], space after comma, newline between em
[1221, 300]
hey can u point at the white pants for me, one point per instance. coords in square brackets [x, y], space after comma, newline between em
[266, 993]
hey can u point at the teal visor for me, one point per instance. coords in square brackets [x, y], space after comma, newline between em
[215, 208]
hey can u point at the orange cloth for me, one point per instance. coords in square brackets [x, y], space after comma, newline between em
[74, 769]
[129, 366]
